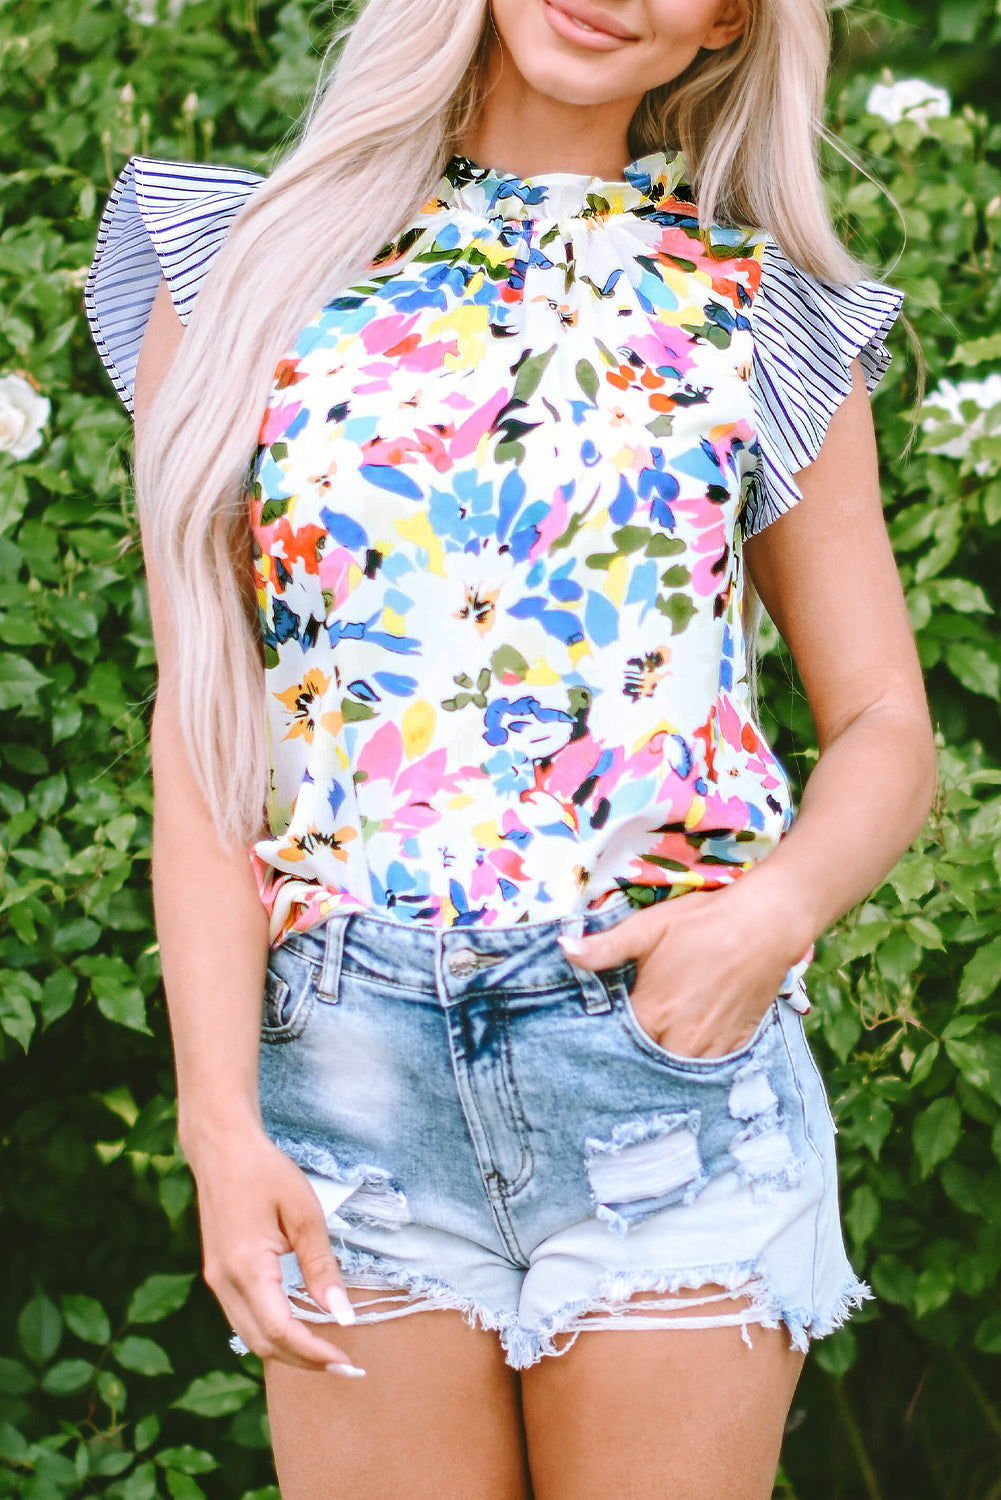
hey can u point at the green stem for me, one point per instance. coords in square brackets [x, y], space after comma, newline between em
[855, 1438]
[991, 1416]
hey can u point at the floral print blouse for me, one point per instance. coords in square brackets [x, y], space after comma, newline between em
[499, 500]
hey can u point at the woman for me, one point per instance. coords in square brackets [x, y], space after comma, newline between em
[508, 492]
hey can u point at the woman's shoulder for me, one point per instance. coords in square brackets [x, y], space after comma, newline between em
[162, 218]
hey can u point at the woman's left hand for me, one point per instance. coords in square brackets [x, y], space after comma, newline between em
[710, 964]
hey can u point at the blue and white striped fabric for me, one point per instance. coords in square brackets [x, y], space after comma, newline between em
[806, 335]
[163, 218]
[169, 218]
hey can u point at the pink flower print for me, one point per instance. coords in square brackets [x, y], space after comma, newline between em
[747, 745]
[709, 572]
[277, 421]
[335, 572]
[676, 245]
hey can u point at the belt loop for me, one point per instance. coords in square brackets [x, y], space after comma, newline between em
[593, 993]
[333, 953]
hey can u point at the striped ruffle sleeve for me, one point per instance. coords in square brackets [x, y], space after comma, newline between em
[806, 335]
[162, 218]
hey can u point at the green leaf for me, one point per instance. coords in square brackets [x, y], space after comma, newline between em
[837, 1353]
[898, 957]
[140, 1485]
[974, 668]
[158, 1296]
[893, 1279]
[147, 1430]
[933, 1289]
[936, 1133]
[142, 1355]
[17, 1018]
[217, 1394]
[862, 1214]
[14, 1447]
[86, 1318]
[183, 1487]
[188, 1459]
[978, 351]
[982, 975]
[20, 684]
[988, 1336]
[979, 1062]
[40, 1328]
[67, 1376]
[15, 1378]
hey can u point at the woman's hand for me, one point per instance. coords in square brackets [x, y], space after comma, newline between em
[255, 1204]
[710, 964]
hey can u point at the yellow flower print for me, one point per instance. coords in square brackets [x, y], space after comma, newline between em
[302, 700]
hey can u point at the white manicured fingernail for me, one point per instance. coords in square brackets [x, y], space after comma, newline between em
[339, 1304]
[353, 1371]
[572, 947]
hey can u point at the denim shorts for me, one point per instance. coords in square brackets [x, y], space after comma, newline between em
[490, 1129]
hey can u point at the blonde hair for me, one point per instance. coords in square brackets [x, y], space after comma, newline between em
[404, 84]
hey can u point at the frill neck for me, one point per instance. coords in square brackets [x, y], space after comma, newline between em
[489, 193]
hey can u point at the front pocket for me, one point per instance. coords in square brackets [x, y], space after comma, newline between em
[289, 998]
[618, 989]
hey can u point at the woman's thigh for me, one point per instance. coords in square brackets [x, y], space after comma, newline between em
[438, 1414]
[693, 1414]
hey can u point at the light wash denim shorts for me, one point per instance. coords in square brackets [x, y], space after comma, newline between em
[490, 1129]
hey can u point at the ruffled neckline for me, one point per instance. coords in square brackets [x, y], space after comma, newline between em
[492, 194]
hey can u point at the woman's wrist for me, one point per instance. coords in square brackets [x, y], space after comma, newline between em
[775, 912]
[206, 1129]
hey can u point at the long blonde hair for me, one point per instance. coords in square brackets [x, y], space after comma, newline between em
[401, 87]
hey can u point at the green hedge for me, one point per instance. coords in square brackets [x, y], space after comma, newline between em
[115, 1377]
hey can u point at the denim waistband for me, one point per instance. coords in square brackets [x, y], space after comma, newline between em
[454, 962]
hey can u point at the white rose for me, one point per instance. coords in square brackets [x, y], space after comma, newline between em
[146, 12]
[23, 414]
[909, 98]
[950, 397]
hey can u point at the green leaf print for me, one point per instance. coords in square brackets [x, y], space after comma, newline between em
[274, 509]
[661, 426]
[630, 539]
[353, 712]
[587, 379]
[679, 609]
[507, 662]
[528, 372]
[676, 577]
[660, 545]
[596, 204]
[663, 863]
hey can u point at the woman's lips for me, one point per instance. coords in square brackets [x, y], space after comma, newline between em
[596, 32]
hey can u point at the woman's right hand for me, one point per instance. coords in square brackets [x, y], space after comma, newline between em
[255, 1204]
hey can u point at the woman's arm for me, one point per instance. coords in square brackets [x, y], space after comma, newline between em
[254, 1203]
[710, 964]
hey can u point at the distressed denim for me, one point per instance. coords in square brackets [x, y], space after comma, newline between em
[490, 1129]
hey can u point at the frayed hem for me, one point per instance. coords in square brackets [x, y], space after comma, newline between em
[525, 1347]
[362, 1269]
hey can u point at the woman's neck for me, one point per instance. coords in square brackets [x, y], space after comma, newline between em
[529, 134]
